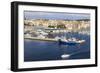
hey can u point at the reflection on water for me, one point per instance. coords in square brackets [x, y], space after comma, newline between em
[35, 50]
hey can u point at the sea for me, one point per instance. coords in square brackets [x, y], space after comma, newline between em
[38, 50]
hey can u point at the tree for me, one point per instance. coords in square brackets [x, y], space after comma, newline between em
[51, 26]
[61, 26]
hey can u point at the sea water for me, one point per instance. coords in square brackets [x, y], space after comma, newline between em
[36, 50]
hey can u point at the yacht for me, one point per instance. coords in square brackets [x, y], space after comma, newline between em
[41, 32]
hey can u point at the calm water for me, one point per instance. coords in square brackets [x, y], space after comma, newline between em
[35, 50]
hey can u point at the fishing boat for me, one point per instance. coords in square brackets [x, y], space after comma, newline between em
[70, 41]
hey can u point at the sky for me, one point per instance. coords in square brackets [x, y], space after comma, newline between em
[55, 15]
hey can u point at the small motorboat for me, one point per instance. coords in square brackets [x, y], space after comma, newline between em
[65, 56]
[71, 41]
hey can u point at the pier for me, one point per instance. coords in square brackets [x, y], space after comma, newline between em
[41, 39]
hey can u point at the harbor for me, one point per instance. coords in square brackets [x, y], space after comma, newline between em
[56, 36]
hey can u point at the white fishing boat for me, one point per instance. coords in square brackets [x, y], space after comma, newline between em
[70, 41]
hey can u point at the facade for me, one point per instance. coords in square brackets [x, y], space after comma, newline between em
[69, 25]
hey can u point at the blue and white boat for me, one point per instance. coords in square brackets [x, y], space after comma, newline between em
[70, 41]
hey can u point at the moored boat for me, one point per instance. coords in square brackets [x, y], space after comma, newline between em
[71, 41]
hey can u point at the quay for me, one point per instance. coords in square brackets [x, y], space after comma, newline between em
[41, 39]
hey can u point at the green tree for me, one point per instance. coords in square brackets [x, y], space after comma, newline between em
[50, 26]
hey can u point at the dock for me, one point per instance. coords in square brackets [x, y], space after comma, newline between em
[41, 39]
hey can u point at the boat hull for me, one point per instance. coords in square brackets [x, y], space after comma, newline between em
[67, 43]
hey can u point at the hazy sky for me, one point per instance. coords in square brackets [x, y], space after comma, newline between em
[55, 15]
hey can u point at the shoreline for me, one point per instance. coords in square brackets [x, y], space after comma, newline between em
[46, 39]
